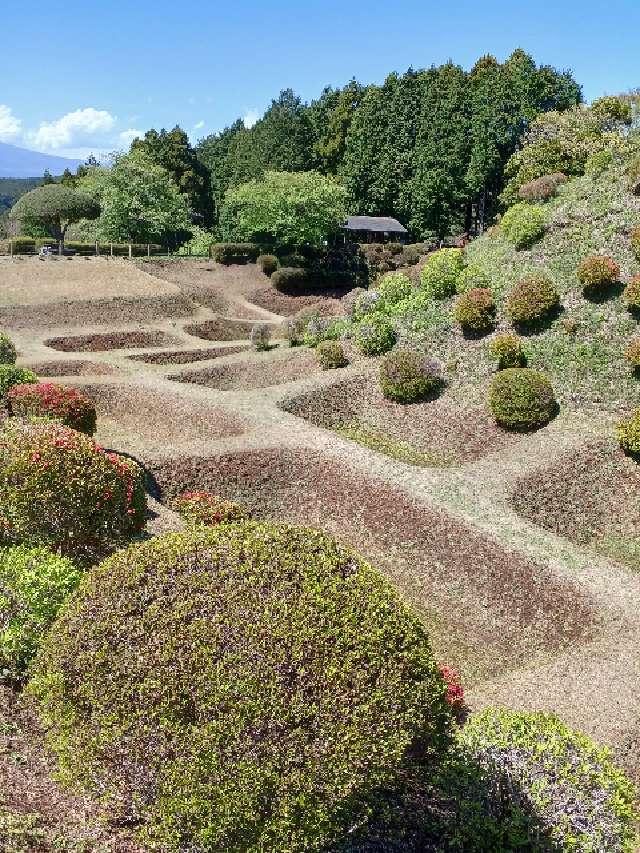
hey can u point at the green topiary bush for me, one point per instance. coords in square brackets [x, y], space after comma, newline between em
[408, 376]
[472, 277]
[632, 294]
[533, 300]
[597, 274]
[59, 489]
[521, 398]
[234, 253]
[268, 264]
[11, 375]
[507, 351]
[374, 335]
[634, 239]
[33, 585]
[549, 787]
[628, 431]
[475, 311]
[331, 355]
[290, 280]
[203, 508]
[8, 352]
[271, 688]
[393, 288]
[48, 400]
[442, 271]
[523, 224]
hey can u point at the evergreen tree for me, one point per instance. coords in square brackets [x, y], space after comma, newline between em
[173, 151]
[331, 116]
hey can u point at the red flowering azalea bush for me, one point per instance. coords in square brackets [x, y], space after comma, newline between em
[59, 488]
[455, 691]
[54, 401]
[203, 508]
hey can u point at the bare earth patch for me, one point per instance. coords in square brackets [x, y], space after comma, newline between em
[134, 419]
[186, 356]
[325, 300]
[112, 340]
[488, 609]
[220, 329]
[436, 433]
[72, 367]
[258, 371]
[591, 497]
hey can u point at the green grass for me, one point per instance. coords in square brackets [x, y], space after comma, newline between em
[623, 549]
[376, 439]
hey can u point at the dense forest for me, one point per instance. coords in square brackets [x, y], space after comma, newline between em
[428, 147]
[12, 188]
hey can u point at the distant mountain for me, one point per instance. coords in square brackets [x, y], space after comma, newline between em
[20, 163]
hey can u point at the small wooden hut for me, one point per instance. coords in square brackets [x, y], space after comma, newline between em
[374, 229]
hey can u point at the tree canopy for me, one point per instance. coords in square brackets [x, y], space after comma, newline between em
[52, 208]
[285, 208]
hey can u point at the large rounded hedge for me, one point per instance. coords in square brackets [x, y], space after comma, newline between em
[393, 287]
[374, 335]
[407, 376]
[507, 351]
[549, 787]
[521, 398]
[475, 311]
[8, 352]
[597, 274]
[34, 583]
[248, 687]
[523, 224]
[11, 375]
[58, 488]
[50, 400]
[441, 273]
[533, 300]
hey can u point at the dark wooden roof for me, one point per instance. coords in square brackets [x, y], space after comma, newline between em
[374, 223]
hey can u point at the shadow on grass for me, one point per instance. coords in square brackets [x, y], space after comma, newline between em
[536, 327]
[605, 294]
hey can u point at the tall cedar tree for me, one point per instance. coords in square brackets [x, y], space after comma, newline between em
[173, 151]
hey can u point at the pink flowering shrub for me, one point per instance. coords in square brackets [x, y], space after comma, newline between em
[50, 400]
[455, 691]
[60, 489]
[203, 508]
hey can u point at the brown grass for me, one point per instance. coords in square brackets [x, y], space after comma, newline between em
[257, 371]
[112, 340]
[488, 609]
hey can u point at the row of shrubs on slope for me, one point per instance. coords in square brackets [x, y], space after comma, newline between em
[245, 686]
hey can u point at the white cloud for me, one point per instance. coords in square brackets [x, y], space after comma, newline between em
[72, 128]
[250, 118]
[10, 126]
[127, 136]
[198, 125]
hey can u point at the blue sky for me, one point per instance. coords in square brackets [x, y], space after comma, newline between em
[81, 78]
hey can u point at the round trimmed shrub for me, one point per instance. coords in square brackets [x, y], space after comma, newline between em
[11, 375]
[521, 398]
[290, 280]
[632, 294]
[634, 239]
[471, 277]
[203, 508]
[442, 271]
[407, 376]
[8, 352]
[241, 687]
[393, 288]
[48, 400]
[331, 355]
[268, 264]
[34, 583]
[507, 350]
[260, 336]
[546, 782]
[628, 431]
[523, 224]
[374, 335]
[632, 353]
[60, 489]
[320, 329]
[532, 300]
[597, 273]
[365, 303]
[542, 189]
[475, 311]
